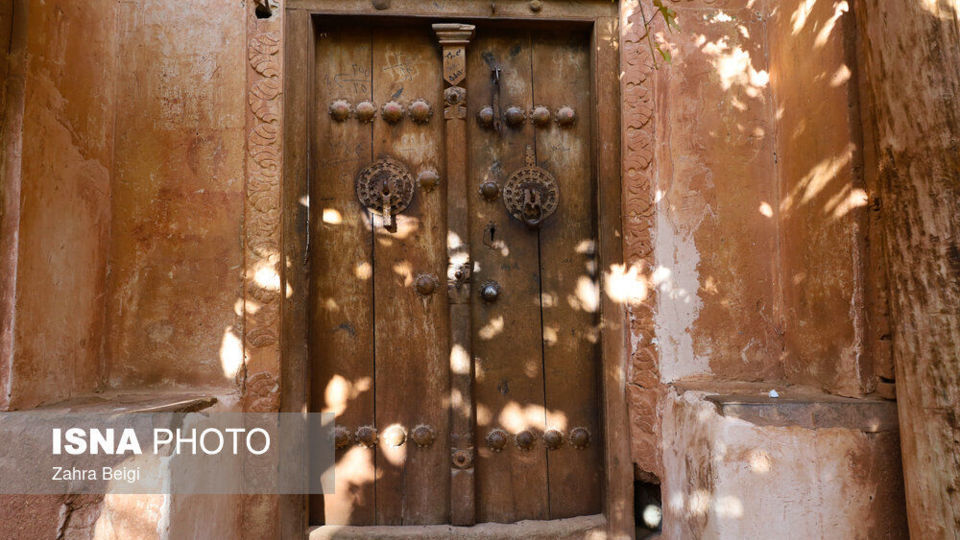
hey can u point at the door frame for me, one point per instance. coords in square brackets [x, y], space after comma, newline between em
[602, 16]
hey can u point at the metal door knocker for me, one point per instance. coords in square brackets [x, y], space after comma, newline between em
[531, 194]
[385, 187]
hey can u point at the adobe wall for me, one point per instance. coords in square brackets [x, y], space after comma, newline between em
[62, 233]
[173, 308]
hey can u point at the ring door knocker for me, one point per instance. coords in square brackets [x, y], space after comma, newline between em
[385, 188]
[531, 194]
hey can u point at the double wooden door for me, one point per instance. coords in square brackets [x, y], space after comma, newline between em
[454, 289]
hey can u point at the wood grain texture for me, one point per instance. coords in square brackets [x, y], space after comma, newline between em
[511, 484]
[411, 330]
[341, 270]
[569, 274]
[462, 417]
[295, 381]
[569, 10]
[618, 477]
[912, 71]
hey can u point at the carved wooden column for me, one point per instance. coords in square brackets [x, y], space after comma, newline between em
[453, 38]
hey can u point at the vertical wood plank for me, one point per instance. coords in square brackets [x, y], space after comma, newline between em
[297, 111]
[341, 285]
[412, 374]
[454, 38]
[618, 470]
[569, 281]
[508, 389]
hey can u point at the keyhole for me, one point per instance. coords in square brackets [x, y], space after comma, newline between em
[493, 232]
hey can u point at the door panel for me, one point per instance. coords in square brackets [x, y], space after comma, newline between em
[569, 281]
[411, 329]
[507, 349]
[341, 285]
[380, 345]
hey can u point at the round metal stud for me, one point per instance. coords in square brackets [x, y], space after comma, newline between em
[367, 436]
[427, 284]
[540, 116]
[497, 439]
[428, 179]
[420, 111]
[525, 439]
[536, 6]
[489, 291]
[489, 190]
[423, 435]
[462, 459]
[340, 110]
[366, 111]
[342, 437]
[381, 4]
[553, 439]
[566, 116]
[394, 436]
[579, 437]
[515, 116]
[392, 112]
[485, 117]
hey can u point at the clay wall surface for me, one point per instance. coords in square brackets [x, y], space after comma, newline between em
[716, 231]
[823, 199]
[64, 225]
[176, 260]
[740, 479]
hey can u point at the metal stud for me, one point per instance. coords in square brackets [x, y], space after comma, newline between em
[462, 459]
[536, 5]
[340, 110]
[553, 439]
[423, 435]
[366, 111]
[381, 4]
[367, 436]
[525, 439]
[392, 112]
[497, 439]
[428, 179]
[515, 116]
[420, 111]
[540, 116]
[394, 436]
[566, 116]
[485, 117]
[579, 437]
[342, 437]
[427, 284]
[489, 291]
[490, 190]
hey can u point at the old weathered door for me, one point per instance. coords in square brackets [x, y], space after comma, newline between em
[454, 297]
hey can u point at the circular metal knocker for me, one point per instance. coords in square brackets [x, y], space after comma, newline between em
[531, 194]
[385, 188]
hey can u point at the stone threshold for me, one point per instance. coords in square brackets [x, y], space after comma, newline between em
[578, 527]
[134, 402]
[795, 406]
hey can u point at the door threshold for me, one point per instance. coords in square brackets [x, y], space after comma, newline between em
[593, 527]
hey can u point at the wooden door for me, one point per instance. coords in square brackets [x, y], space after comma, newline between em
[455, 336]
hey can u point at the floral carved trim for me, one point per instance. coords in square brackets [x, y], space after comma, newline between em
[262, 283]
[639, 219]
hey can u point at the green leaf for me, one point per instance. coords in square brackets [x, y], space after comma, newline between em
[664, 53]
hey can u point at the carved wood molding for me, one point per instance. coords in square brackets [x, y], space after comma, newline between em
[263, 278]
[639, 219]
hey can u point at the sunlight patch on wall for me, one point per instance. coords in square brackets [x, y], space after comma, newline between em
[231, 353]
